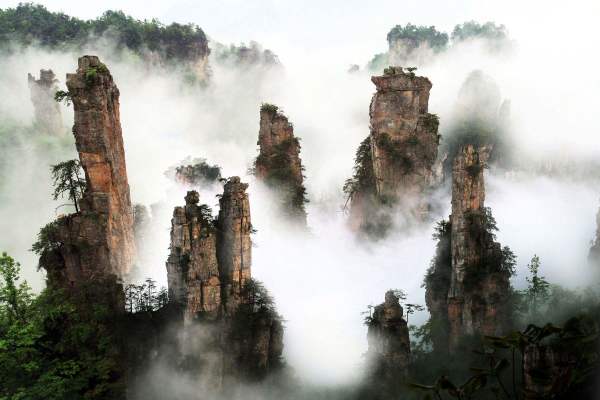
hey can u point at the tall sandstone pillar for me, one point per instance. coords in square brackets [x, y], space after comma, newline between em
[46, 109]
[278, 163]
[404, 138]
[479, 286]
[98, 240]
[234, 246]
[192, 268]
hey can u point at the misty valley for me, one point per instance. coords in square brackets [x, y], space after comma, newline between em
[406, 212]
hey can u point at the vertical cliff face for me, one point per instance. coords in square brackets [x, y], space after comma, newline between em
[98, 240]
[192, 268]
[209, 277]
[278, 163]
[404, 138]
[467, 286]
[234, 250]
[389, 344]
[46, 109]
[479, 286]
[396, 166]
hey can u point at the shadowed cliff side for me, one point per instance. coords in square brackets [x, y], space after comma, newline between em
[467, 288]
[278, 163]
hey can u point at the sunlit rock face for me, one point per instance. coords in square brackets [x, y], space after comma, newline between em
[192, 268]
[98, 240]
[234, 247]
[404, 137]
[46, 109]
[397, 167]
[389, 344]
[278, 163]
[479, 287]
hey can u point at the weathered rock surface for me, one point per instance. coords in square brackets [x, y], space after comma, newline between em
[404, 147]
[192, 268]
[98, 241]
[46, 109]
[404, 136]
[234, 248]
[389, 344]
[479, 287]
[278, 163]
[209, 276]
[468, 286]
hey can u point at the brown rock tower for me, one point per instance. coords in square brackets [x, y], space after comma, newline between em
[98, 241]
[278, 163]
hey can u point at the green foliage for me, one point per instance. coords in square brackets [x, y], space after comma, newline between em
[47, 240]
[269, 108]
[363, 179]
[281, 175]
[29, 24]
[63, 96]
[145, 297]
[431, 122]
[60, 345]
[394, 149]
[413, 36]
[67, 179]
[473, 30]
[198, 173]
[537, 293]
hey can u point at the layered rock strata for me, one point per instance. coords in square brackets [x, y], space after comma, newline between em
[98, 241]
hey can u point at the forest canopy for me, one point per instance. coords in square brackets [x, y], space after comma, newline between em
[30, 23]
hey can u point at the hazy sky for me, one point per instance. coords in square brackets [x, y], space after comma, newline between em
[349, 30]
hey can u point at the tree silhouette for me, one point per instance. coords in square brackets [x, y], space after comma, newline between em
[68, 180]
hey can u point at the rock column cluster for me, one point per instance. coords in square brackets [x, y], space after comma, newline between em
[209, 275]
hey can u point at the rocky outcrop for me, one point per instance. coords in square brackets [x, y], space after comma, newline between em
[403, 146]
[234, 248]
[467, 287]
[192, 268]
[46, 109]
[479, 285]
[404, 136]
[209, 276]
[97, 241]
[278, 163]
[389, 344]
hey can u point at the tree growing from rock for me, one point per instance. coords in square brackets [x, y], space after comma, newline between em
[68, 181]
